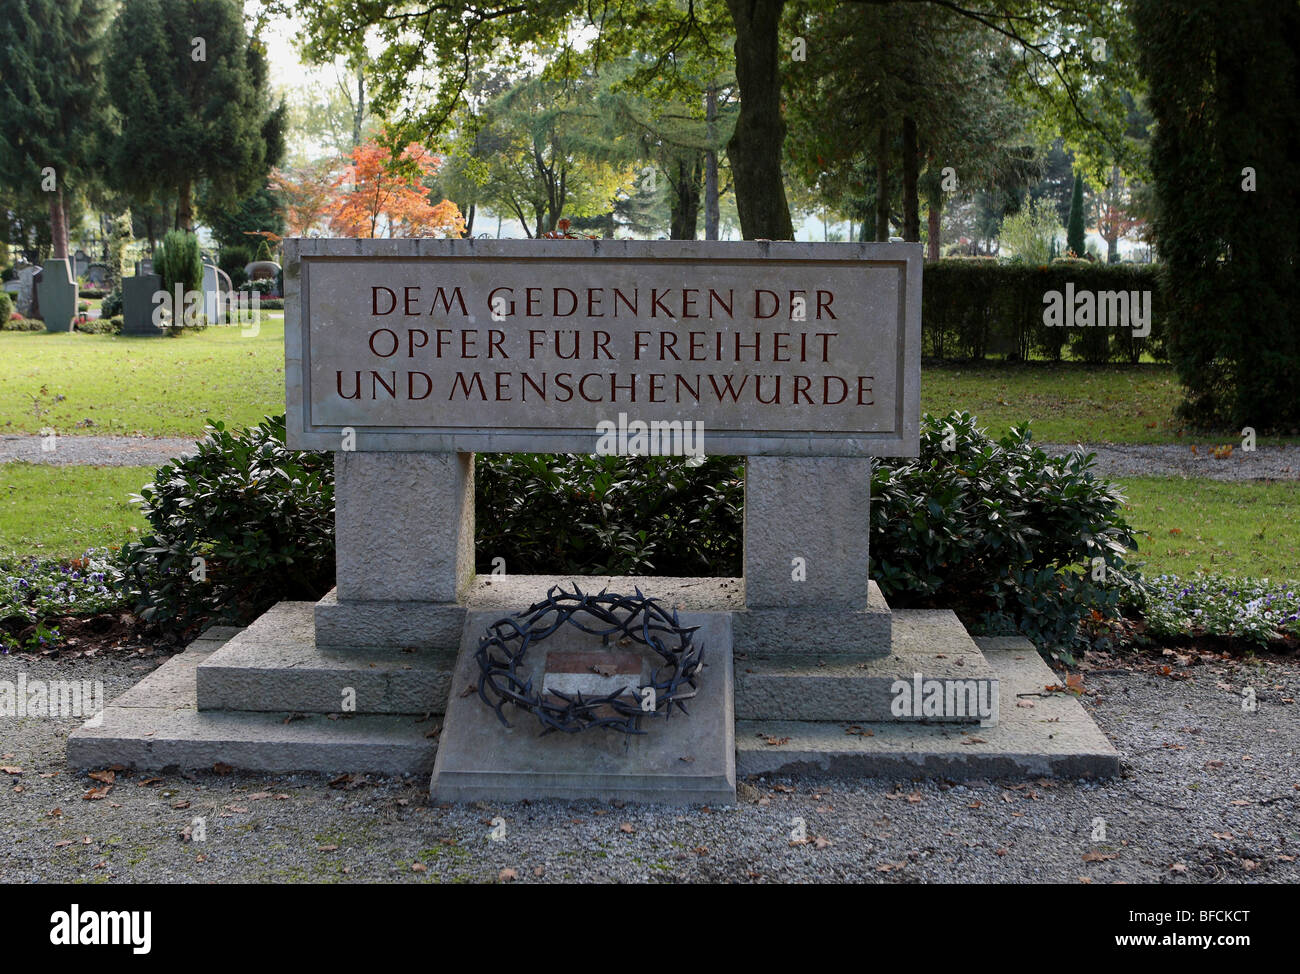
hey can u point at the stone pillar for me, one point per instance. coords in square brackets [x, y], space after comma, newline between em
[404, 536]
[57, 295]
[806, 548]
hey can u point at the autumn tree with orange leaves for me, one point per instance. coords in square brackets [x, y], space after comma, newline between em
[383, 196]
[308, 192]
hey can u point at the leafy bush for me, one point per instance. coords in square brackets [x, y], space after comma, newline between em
[1001, 532]
[22, 324]
[112, 305]
[263, 250]
[233, 259]
[973, 306]
[6, 306]
[100, 326]
[259, 515]
[1031, 232]
[1251, 609]
[34, 590]
[271, 304]
[608, 515]
[996, 530]
[178, 261]
[91, 293]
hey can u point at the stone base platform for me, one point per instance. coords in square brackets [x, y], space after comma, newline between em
[810, 685]
[268, 699]
[1053, 738]
[157, 724]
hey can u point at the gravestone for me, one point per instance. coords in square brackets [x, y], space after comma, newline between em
[97, 275]
[404, 357]
[138, 304]
[57, 295]
[80, 264]
[144, 266]
[25, 304]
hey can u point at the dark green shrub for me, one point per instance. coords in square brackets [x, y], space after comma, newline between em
[100, 326]
[179, 261]
[234, 258]
[608, 515]
[271, 304]
[6, 306]
[22, 324]
[1000, 532]
[973, 306]
[111, 306]
[263, 250]
[261, 516]
[90, 293]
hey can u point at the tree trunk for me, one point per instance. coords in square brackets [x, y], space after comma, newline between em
[911, 172]
[1112, 242]
[58, 232]
[882, 186]
[686, 202]
[359, 109]
[756, 145]
[933, 222]
[711, 213]
[185, 207]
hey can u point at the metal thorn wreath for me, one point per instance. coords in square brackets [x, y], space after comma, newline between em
[637, 617]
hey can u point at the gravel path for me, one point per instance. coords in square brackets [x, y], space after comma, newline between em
[1265, 463]
[1209, 793]
[108, 451]
[1151, 460]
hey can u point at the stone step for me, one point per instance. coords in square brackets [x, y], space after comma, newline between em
[862, 633]
[156, 725]
[814, 685]
[1053, 737]
[276, 665]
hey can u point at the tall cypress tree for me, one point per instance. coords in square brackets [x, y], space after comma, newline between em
[1075, 235]
[1224, 87]
[190, 88]
[51, 100]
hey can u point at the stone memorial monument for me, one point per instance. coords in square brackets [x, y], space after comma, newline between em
[57, 295]
[138, 304]
[404, 357]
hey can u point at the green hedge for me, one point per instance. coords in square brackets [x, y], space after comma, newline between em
[973, 307]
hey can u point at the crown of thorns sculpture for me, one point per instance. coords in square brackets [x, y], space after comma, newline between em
[637, 617]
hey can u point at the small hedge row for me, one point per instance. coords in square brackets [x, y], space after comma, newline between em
[972, 307]
[1012, 539]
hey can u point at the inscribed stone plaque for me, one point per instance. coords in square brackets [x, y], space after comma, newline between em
[773, 348]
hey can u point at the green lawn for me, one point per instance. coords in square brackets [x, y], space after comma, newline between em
[1243, 529]
[155, 386]
[59, 512]
[1234, 529]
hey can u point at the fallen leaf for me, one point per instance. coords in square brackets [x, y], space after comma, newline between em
[820, 843]
[95, 794]
[627, 827]
[63, 844]
[507, 876]
[258, 796]
[1178, 867]
[10, 769]
[1095, 856]
[327, 848]
[419, 867]
[222, 768]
